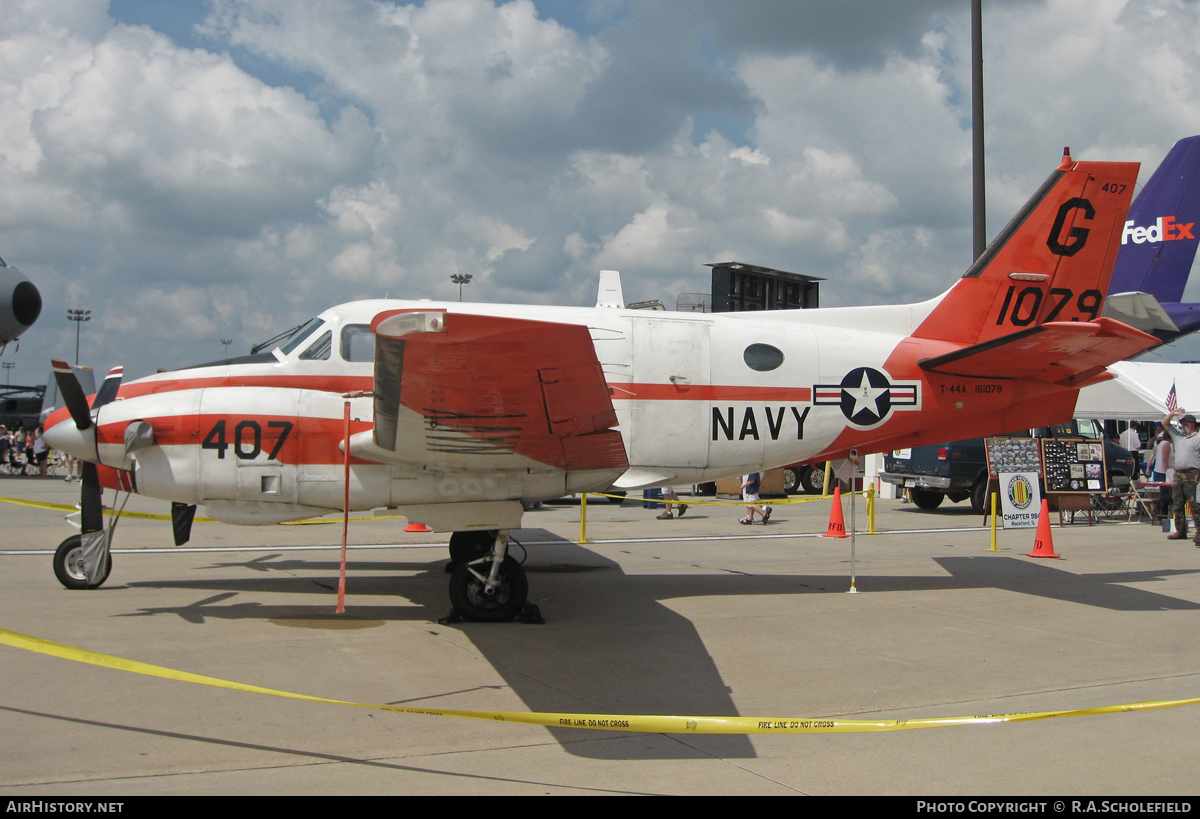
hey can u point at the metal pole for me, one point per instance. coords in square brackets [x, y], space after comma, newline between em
[341, 602]
[977, 176]
[78, 316]
[853, 492]
[583, 518]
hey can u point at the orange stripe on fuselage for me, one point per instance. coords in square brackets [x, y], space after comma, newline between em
[344, 384]
[338, 384]
[706, 392]
[310, 440]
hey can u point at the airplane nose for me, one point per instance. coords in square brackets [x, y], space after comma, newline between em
[66, 437]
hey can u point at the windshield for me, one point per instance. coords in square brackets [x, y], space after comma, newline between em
[301, 334]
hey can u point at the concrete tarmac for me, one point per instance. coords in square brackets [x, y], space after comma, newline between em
[693, 616]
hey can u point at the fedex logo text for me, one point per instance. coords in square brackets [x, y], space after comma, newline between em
[1164, 229]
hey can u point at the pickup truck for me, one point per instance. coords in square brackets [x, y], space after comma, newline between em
[958, 470]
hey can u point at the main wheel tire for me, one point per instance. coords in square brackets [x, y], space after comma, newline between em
[791, 480]
[979, 498]
[926, 498]
[616, 496]
[466, 546]
[469, 599]
[812, 480]
[68, 565]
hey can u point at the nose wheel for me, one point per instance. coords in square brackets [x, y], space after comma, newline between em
[68, 565]
[491, 588]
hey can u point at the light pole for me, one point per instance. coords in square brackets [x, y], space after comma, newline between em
[460, 279]
[8, 367]
[226, 342]
[78, 316]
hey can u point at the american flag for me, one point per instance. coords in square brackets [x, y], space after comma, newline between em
[1172, 402]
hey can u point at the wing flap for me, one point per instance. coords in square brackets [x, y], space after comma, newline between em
[1067, 353]
[455, 391]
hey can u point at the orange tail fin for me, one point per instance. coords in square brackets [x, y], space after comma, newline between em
[1051, 263]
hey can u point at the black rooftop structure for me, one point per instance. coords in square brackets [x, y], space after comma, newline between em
[737, 286]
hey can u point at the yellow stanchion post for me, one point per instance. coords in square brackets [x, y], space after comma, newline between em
[825, 485]
[871, 509]
[994, 548]
[583, 518]
[993, 521]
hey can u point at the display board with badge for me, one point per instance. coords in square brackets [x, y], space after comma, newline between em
[1073, 465]
[1014, 468]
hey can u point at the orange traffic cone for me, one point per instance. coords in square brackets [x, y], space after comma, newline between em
[837, 524]
[413, 526]
[1043, 544]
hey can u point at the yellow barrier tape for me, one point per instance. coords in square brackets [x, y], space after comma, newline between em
[62, 507]
[606, 722]
[690, 500]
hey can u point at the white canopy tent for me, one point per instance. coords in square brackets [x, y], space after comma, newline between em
[1138, 392]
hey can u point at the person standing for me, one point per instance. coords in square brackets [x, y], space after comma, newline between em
[1160, 458]
[41, 454]
[1132, 440]
[1185, 445]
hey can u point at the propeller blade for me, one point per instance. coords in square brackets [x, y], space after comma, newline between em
[90, 500]
[108, 390]
[72, 393]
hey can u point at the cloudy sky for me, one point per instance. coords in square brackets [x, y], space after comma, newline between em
[227, 168]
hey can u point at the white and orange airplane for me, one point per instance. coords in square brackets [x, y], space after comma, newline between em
[472, 409]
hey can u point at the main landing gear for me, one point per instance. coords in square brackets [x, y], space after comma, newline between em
[486, 584]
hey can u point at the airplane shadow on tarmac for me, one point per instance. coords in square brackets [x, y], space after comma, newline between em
[610, 644]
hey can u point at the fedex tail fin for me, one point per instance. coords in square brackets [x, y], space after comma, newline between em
[1158, 239]
[1158, 246]
[1052, 263]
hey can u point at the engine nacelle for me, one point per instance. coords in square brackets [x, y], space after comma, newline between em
[20, 303]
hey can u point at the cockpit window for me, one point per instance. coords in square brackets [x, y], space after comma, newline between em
[319, 349]
[762, 357]
[301, 334]
[358, 343]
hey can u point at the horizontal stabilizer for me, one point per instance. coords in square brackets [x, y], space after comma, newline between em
[1067, 353]
[1139, 310]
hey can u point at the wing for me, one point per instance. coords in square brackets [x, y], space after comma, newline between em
[1067, 353]
[458, 392]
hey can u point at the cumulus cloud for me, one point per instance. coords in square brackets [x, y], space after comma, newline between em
[290, 156]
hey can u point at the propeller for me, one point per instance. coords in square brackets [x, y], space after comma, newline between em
[82, 443]
[72, 394]
[108, 390]
[90, 501]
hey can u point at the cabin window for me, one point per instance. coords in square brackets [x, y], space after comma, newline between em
[358, 343]
[762, 357]
[319, 349]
